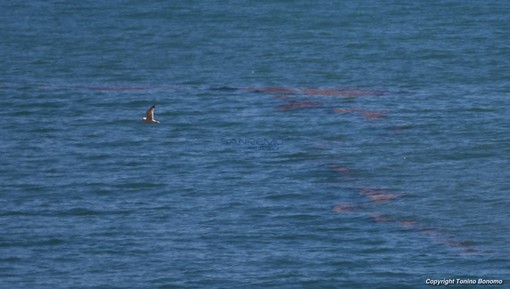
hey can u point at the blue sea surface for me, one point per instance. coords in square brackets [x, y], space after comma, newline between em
[302, 144]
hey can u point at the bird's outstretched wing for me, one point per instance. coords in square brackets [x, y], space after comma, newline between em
[150, 112]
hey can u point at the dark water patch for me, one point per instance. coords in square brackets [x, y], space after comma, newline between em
[9, 260]
[36, 242]
[85, 212]
[224, 89]
[139, 185]
[19, 213]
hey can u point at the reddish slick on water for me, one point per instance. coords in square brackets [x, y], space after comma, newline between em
[298, 104]
[342, 208]
[369, 114]
[282, 97]
[333, 92]
[376, 195]
[435, 235]
[379, 218]
[341, 170]
[128, 88]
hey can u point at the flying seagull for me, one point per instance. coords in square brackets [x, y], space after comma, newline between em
[149, 115]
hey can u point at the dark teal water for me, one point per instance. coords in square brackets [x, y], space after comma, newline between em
[302, 144]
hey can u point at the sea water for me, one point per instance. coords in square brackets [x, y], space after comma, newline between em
[302, 144]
